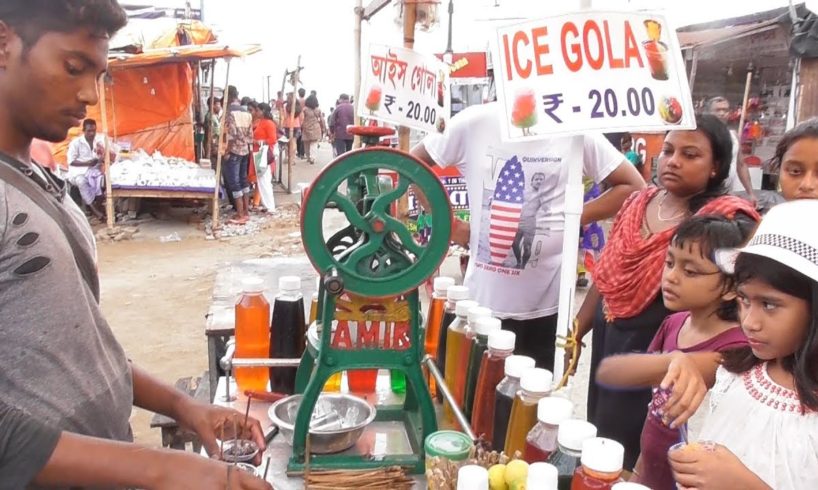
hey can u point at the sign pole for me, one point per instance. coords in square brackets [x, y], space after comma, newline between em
[222, 136]
[359, 12]
[409, 19]
[109, 196]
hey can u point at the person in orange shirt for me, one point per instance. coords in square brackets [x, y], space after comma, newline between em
[265, 132]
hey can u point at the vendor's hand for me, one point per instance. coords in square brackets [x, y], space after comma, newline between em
[708, 468]
[186, 471]
[461, 232]
[753, 199]
[208, 420]
[688, 390]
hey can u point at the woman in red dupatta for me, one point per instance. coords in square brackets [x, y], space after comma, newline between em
[625, 306]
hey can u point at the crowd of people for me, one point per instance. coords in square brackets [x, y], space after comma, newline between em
[250, 135]
[667, 284]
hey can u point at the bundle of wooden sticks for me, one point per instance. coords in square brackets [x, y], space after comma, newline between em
[393, 478]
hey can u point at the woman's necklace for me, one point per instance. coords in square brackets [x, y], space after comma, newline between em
[675, 217]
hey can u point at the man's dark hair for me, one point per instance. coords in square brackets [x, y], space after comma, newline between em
[302, 92]
[30, 19]
[344, 97]
[88, 123]
[232, 93]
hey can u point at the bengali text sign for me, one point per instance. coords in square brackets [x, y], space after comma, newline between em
[402, 87]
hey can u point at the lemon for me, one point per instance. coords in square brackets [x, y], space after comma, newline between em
[516, 472]
[497, 477]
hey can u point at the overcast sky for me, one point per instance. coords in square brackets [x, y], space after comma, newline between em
[321, 31]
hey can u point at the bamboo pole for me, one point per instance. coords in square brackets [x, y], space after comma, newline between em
[359, 12]
[409, 19]
[209, 130]
[109, 197]
[222, 119]
[743, 117]
[292, 143]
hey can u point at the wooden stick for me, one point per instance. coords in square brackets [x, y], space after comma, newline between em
[266, 468]
[246, 412]
[221, 444]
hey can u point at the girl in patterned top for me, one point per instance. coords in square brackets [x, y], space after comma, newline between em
[762, 427]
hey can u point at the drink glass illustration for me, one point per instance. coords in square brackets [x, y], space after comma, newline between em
[656, 52]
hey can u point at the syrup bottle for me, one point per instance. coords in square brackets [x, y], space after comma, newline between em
[453, 295]
[571, 435]
[601, 465]
[483, 328]
[455, 342]
[287, 331]
[504, 396]
[500, 347]
[434, 322]
[535, 384]
[252, 335]
[541, 442]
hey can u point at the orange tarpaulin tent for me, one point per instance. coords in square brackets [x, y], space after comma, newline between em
[149, 98]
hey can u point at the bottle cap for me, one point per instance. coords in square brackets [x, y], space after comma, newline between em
[289, 283]
[536, 380]
[542, 476]
[472, 477]
[602, 455]
[626, 485]
[573, 432]
[486, 325]
[449, 444]
[515, 365]
[476, 313]
[463, 306]
[252, 285]
[553, 409]
[442, 285]
[457, 293]
[502, 340]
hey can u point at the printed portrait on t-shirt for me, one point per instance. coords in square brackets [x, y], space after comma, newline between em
[517, 200]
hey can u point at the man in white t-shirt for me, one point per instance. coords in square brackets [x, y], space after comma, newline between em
[739, 178]
[85, 157]
[517, 207]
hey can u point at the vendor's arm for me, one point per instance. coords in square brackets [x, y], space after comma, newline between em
[205, 420]
[90, 462]
[73, 156]
[622, 182]
[689, 376]
[461, 230]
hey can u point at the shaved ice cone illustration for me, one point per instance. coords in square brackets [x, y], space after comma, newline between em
[654, 29]
[524, 111]
[373, 99]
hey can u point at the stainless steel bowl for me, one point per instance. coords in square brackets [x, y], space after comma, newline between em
[338, 420]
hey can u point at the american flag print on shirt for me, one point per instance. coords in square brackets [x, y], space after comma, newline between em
[506, 206]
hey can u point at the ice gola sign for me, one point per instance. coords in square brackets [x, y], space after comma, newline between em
[591, 71]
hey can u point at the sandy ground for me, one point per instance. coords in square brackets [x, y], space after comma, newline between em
[155, 295]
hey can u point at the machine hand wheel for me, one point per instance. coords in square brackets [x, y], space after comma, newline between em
[376, 255]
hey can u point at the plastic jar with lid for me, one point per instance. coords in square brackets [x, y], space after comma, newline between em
[472, 477]
[535, 384]
[448, 445]
[571, 435]
[504, 396]
[542, 440]
[542, 476]
[601, 465]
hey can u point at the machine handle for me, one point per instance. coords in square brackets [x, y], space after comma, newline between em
[441, 385]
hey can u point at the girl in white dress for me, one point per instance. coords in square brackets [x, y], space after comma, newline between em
[763, 414]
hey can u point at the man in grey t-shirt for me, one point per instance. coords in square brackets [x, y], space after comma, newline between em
[61, 369]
